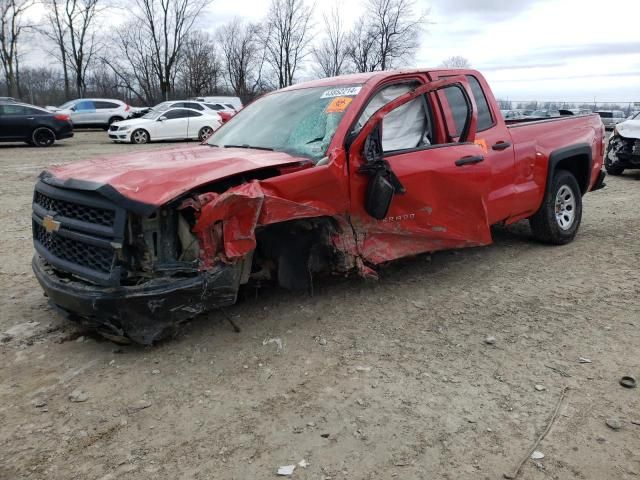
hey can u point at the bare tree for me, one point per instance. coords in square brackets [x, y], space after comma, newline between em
[362, 47]
[386, 35]
[166, 24]
[243, 57]
[331, 53]
[200, 68]
[133, 63]
[56, 31]
[287, 38]
[456, 62]
[11, 27]
[81, 45]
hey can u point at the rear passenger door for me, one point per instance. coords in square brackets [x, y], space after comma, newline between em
[494, 138]
[105, 110]
[14, 122]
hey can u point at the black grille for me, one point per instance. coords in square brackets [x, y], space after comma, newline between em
[113, 128]
[84, 254]
[84, 213]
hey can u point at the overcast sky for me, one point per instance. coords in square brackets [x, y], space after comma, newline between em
[574, 50]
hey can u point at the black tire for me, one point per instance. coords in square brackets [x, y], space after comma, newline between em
[610, 168]
[140, 136]
[204, 133]
[559, 217]
[43, 137]
[115, 119]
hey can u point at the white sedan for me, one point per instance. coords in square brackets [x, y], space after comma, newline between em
[171, 124]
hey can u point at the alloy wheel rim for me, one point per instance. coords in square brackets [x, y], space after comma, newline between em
[140, 137]
[44, 137]
[565, 207]
[205, 133]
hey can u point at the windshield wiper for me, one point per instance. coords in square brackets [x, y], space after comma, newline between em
[249, 146]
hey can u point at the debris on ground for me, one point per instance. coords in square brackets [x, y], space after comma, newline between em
[320, 340]
[614, 423]
[78, 396]
[286, 470]
[584, 360]
[490, 340]
[540, 388]
[537, 455]
[137, 406]
[276, 340]
[303, 463]
[39, 403]
[363, 369]
[628, 382]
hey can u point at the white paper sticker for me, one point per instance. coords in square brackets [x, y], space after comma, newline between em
[341, 92]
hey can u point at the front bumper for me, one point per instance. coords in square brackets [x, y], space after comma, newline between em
[144, 313]
[117, 136]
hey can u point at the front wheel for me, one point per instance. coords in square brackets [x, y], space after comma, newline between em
[140, 136]
[43, 137]
[559, 217]
[204, 133]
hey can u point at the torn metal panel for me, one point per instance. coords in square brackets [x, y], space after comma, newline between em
[622, 153]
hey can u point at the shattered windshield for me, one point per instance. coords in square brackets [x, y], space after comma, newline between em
[299, 122]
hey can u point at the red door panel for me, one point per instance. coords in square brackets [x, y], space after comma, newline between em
[444, 205]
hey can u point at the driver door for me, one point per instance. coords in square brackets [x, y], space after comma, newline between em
[173, 123]
[442, 180]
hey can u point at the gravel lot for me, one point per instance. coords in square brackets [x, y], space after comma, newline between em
[373, 380]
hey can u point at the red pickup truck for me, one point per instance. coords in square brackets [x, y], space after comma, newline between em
[336, 175]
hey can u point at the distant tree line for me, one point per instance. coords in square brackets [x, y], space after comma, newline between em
[159, 53]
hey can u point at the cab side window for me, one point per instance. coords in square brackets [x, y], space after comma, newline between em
[177, 113]
[85, 105]
[405, 128]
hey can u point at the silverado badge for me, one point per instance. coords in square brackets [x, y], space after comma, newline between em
[49, 224]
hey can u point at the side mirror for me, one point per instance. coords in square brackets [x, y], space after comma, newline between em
[73, 109]
[162, 119]
[379, 196]
[383, 184]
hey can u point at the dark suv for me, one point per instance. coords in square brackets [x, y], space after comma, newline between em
[20, 122]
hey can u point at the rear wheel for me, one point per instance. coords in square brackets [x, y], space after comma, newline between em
[43, 137]
[140, 136]
[559, 217]
[204, 133]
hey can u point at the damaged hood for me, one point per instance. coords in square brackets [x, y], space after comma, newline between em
[629, 129]
[154, 177]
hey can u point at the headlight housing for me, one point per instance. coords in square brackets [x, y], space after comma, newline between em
[124, 128]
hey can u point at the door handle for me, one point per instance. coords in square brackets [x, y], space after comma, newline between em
[501, 146]
[30, 118]
[470, 160]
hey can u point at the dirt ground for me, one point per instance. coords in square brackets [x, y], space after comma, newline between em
[373, 380]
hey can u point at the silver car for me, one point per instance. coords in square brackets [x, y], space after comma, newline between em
[610, 118]
[94, 112]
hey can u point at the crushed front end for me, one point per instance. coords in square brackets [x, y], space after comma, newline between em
[623, 153]
[124, 274]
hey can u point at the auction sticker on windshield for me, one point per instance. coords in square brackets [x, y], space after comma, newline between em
[341, 92]
[338, 104]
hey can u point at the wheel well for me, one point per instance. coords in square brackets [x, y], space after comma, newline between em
[43, 126]
[577, 160]
[297, 249]
[115, 118]
[579, 167]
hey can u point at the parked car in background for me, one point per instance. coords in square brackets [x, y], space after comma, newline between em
[623, 151]
[610, 118]
[170, 124]
[232, 102]
[580, 111]
[21, 122]
[94, 112]
[545, 113]
[526, 112]
[8, 99]
[195, 105]
[512, 115]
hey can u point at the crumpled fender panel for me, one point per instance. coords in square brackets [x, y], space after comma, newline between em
[244, 208]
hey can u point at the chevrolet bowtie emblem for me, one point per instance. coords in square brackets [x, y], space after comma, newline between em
[49, 224]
